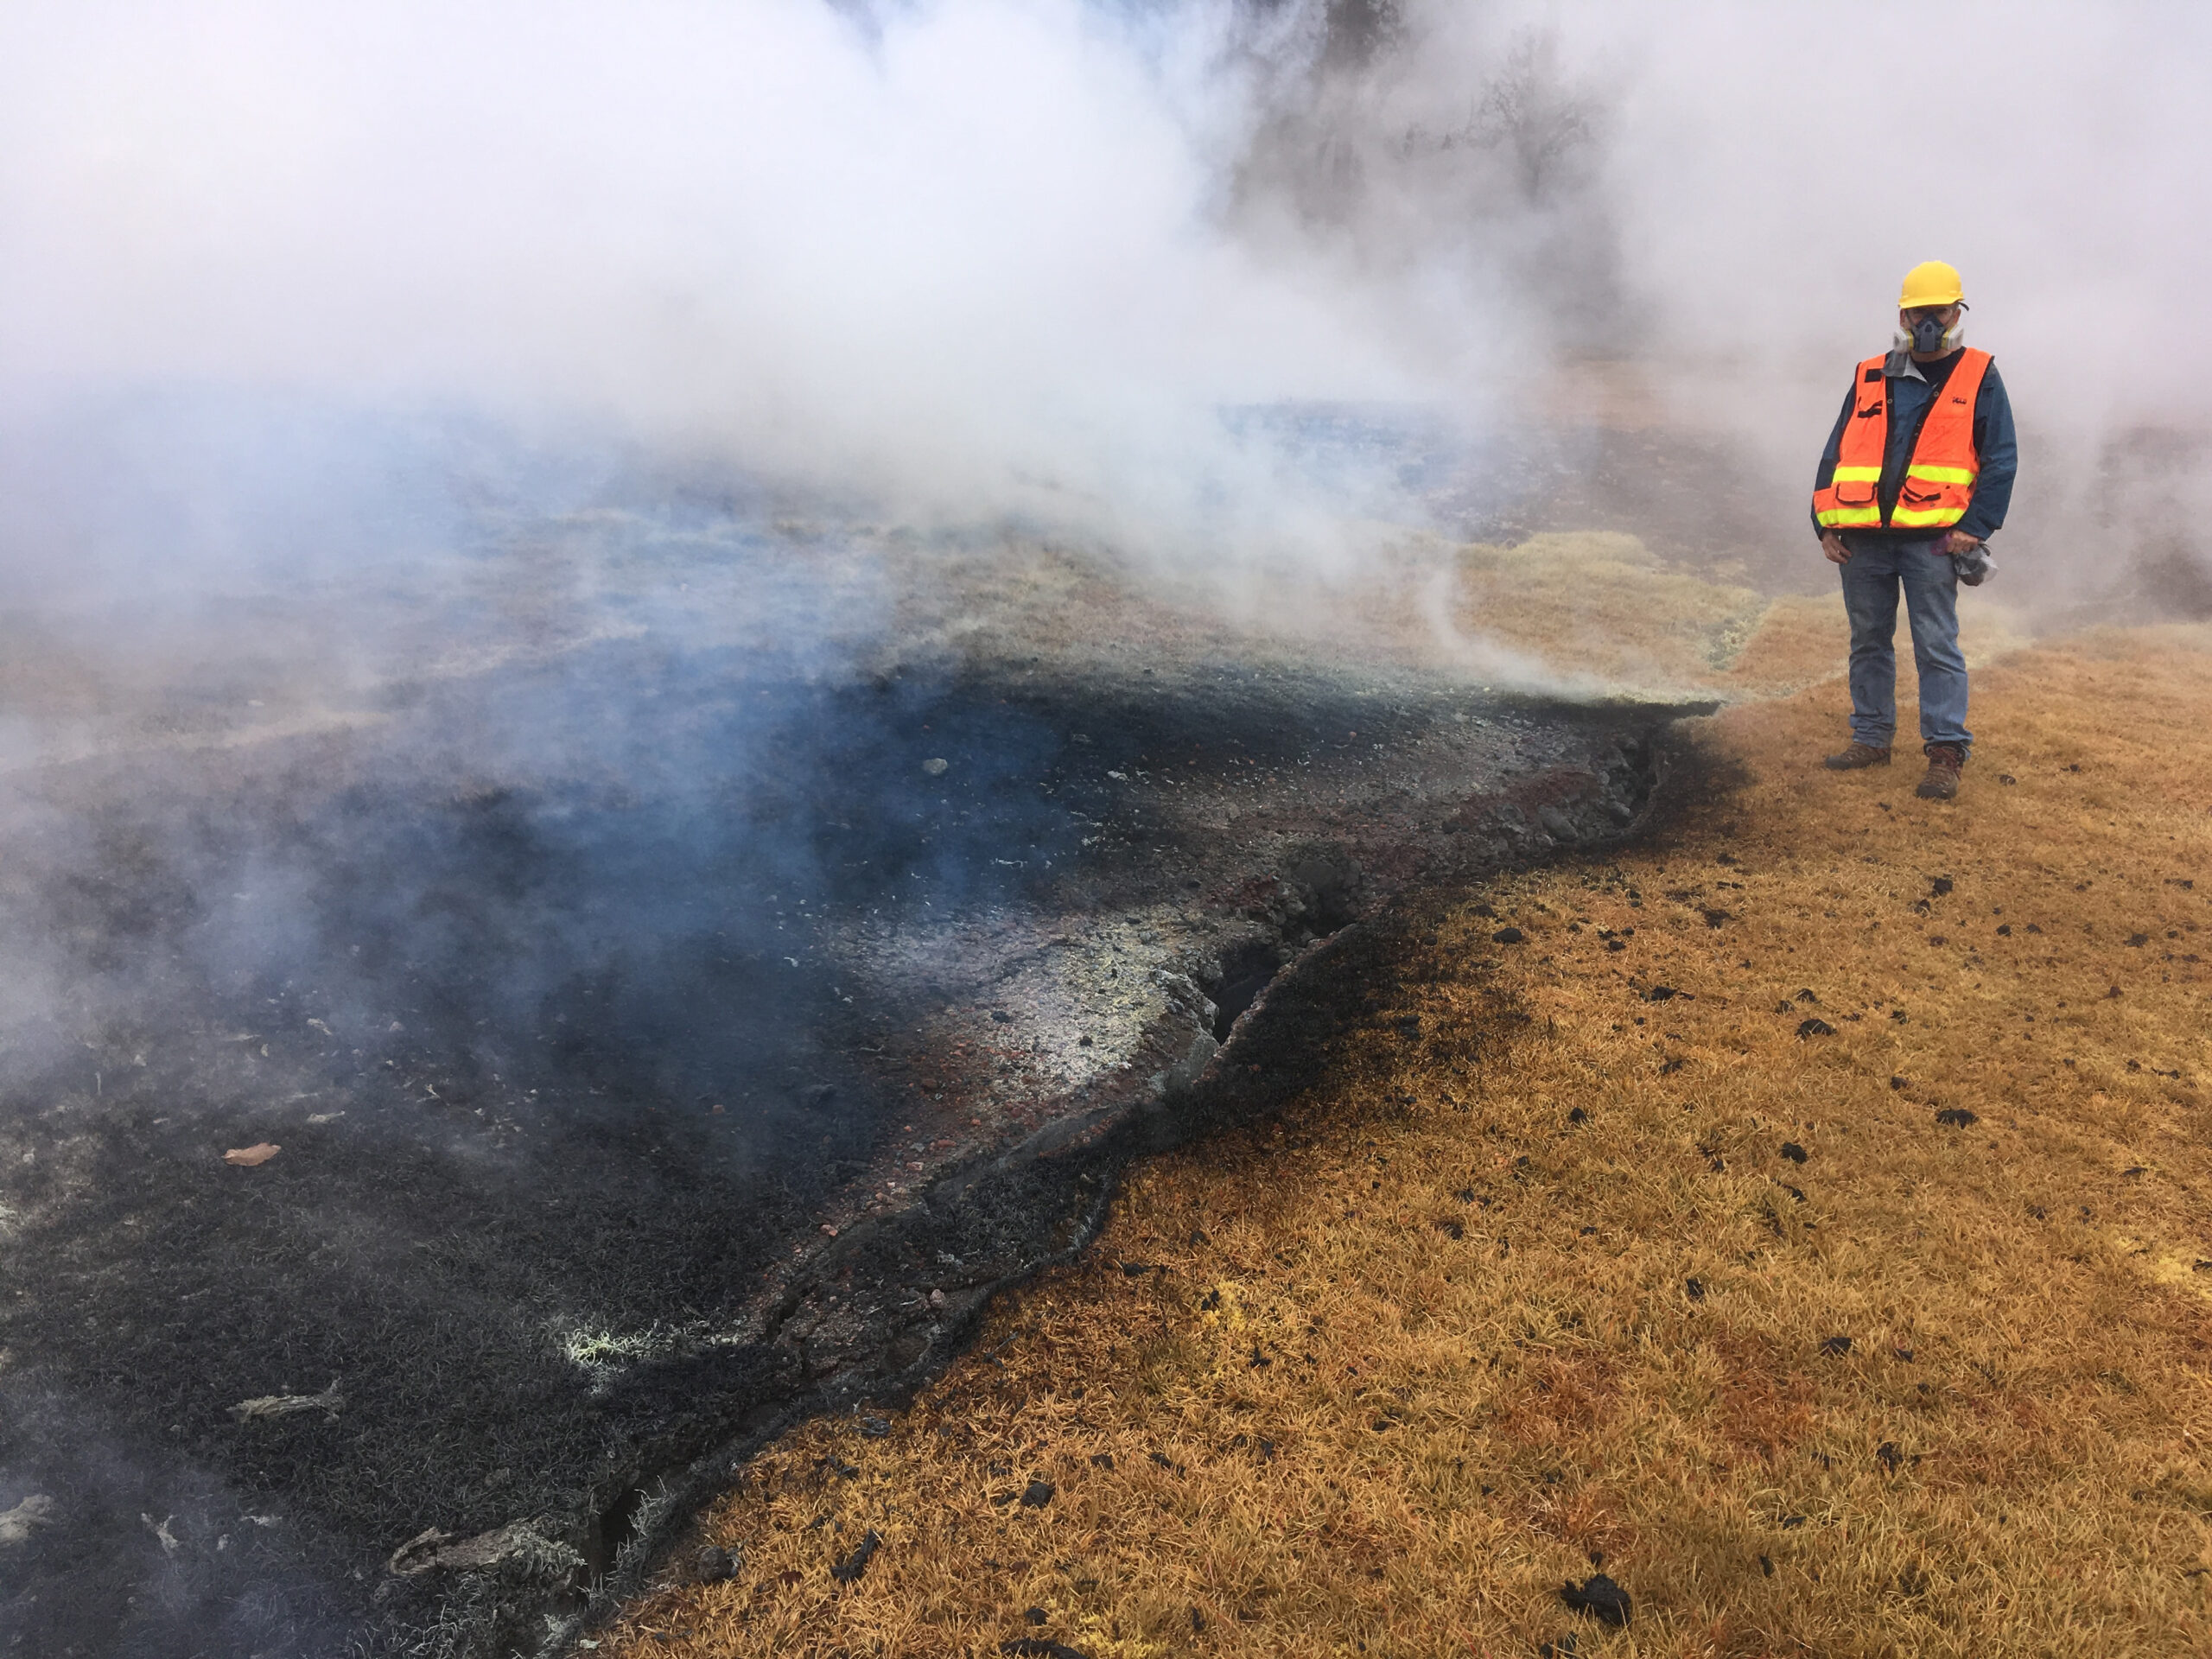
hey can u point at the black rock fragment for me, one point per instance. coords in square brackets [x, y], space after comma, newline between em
[1102, 1460]
[2006, 777]
[1836, 1347]
[1565, 1648]
[1038, 1494]
[874, 1428]
[1136, 1270]
[1600, 1598]
[1939, 887]
[1793, 1153]
[1036, 1615]
[1694, 1289]
[713, 1566]
[1506, 936]
[1956, 1117]
[1889, 1457]
[1815, 1028]
[1766, 1566]
[1806, 995]
[1577, 1115]
[848, 1570]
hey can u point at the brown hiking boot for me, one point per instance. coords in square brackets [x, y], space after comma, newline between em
[1857, 755]
[1945, 761]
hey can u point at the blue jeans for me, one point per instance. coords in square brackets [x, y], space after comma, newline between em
[1871, 579]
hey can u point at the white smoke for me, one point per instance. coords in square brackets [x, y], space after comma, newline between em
[978, 257]
[972, 257]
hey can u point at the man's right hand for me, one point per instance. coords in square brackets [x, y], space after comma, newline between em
[1832, 544]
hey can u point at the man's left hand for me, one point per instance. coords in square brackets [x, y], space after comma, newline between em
[1957, 541]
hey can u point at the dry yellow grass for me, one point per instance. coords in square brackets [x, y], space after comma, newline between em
[1424, 1347]
[1601, 609]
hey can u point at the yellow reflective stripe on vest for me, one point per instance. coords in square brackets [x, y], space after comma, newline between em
[1908, 519]
[1943, 474]
[1859, 475]
[1835, 518]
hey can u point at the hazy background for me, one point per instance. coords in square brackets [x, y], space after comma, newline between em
[273, 278]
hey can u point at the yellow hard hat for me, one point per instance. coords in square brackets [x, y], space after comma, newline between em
[1932, 283]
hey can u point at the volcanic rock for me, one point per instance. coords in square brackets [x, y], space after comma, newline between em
[848, 1570]
[1600, 1598]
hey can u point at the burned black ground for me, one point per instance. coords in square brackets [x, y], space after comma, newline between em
[571, 1051]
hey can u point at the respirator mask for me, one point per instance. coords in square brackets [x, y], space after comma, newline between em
[1930, 335]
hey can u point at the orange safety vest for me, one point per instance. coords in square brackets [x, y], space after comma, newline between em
[1939, 478]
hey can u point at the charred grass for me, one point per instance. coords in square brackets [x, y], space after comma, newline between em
[1525, 1284]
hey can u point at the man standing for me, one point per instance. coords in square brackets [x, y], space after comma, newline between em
[1915, 478]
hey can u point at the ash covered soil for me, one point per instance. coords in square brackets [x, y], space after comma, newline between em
[664, 1029]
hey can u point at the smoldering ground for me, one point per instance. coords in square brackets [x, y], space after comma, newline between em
[656, 885]
[496, 504]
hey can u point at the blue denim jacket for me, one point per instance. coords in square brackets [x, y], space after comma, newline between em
[1910, 397]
